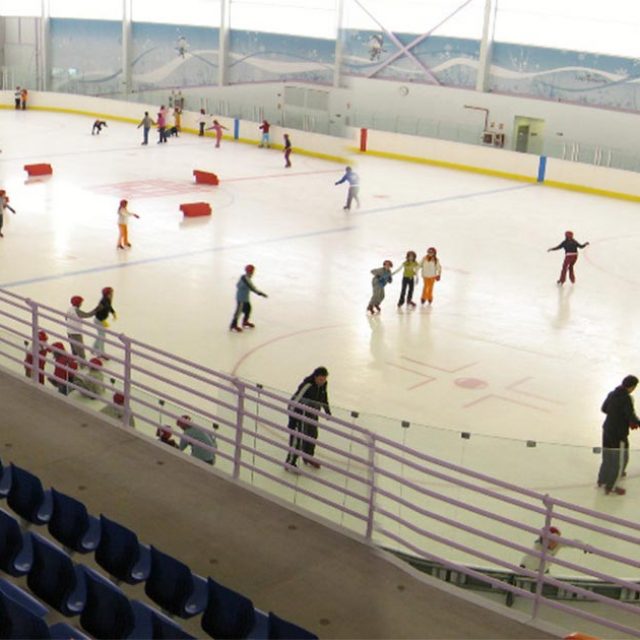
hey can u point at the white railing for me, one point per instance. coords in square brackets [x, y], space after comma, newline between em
[390, 494]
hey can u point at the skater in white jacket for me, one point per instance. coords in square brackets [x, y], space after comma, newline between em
[431, 270]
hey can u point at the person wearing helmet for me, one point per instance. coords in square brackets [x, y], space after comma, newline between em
[431, 271]
[43, 350]
[102, 311]
[123, 224]
[117, 409]
[244, 287]
[353, 179]
[90, 383]
[64, 371]
[382, 276]
[73, 319]
[192, 433]
[570, 246]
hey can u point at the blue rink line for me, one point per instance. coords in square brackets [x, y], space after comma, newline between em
[299, 236]
[422, 203]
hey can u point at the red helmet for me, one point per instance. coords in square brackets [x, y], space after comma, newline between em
[58, 345]
[249, 269]
[76, 301]
[568, 235]
[118, 398]
[42, 336]
[107, 291]
[554, 530]
[96, 362]
[123, 203]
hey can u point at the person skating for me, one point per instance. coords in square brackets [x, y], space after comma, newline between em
[621, 416]
[353, 179]
[103, 309]
[4, 204]
[202, 123]
[381, 278]
[410, 268]
[146, 123]
[570, 246]
[287, 151]
[431, 271]
[312, 392]
[73, 319]
[218, 128]
[264, 140]
[97, 127]
[123, 224]
[244, 287]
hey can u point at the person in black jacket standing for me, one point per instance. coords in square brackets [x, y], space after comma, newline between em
[101, 314]
[621, 417]
[570, 246]
[312, 392]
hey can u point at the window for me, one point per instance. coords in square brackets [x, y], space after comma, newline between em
[315, 18]
[83, 9]
[609, 27]
[201, 13]
[20, 8]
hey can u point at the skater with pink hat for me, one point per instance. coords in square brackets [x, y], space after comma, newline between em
[570, 246]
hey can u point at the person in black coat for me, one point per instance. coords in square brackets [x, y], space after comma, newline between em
[621, 417]
[570, 246]
[311, 392]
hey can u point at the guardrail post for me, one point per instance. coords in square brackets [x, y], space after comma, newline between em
[126, 380]
[544, 547]
[35, 344]
[237, 453]
[372, 486]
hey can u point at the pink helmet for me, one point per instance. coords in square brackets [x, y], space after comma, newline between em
[568, 235]
[249, 269]
[107, 291]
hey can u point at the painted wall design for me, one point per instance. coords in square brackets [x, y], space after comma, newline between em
[431, 60]
[86, 56]
[267, 57]
[173, 56]
[566, 76]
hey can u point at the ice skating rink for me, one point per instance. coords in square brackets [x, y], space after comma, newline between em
[503, 353]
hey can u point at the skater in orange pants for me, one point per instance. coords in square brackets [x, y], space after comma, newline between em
[431, 270]
[123, 215]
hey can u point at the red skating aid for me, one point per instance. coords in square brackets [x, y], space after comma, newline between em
[205, 177]
[41, 169]
[195, 209]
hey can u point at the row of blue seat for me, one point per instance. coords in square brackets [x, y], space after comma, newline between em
[53, 577]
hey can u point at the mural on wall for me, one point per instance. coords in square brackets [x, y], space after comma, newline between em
[411, 57]
[267, 57]
[566, 76]
[167, 56]
[86, 56]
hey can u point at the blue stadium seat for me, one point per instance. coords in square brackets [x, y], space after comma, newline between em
[16, 555]
[173, 587]
[27, 498]
[228, 614]
[108, 613]
[71, 525]
[163, 628]
[19, 620]
[64, 631]
[5, 480]
[55, 579]
[23, 598]
[120, 554]
[280, 629]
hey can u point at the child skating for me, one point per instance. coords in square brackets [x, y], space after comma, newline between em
[97, 127]
[381, 278]
[431, 270]
[218, 128]
[123, 224]
[264, 140]
[353, 179]
[244, 287]
[410, 268]
[570, 246]
[4, 204]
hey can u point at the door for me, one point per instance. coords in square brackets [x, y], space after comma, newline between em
[522, 138]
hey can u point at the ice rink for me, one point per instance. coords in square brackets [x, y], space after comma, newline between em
[502, 352]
